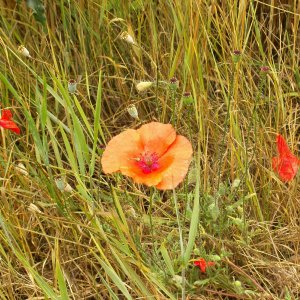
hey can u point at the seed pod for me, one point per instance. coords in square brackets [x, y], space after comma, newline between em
[23, 51]
[236, 55]
[187, 98]
[174, 83]
[127, 37]
[133, 111]
[72, 86]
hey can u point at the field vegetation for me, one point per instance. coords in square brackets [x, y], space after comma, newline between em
[225, 74]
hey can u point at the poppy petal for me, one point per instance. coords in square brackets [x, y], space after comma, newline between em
[175, 163]
[138, 176]
[6, 114]
[287, 168]
[7, 124]
[282, 146]
[201, 263]
[287, 164]
[157, 137]
[121, 151]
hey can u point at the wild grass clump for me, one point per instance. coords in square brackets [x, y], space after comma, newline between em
[225, 74]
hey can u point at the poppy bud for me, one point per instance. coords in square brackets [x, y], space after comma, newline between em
[264, 69]
[127, 37]
[187, 98]
[130, 211]
[68, 188]
[174, 83]
[238, 286]
[237, 283]
[143, 85]
[236, 55]
[22, 169]
[72, 86]
[62, 185]
[236, 183]
[24, 51]
[33, 208]
[133, 111]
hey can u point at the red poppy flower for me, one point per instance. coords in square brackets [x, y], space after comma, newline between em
[286, 164]
[152, 155]
[203, 264]
[7, 123]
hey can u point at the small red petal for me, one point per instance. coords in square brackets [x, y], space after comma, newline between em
[201, 263]
[287, 164]
[6, 114]
[282, 146]
[10, 125]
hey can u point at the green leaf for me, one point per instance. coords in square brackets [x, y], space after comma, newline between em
[214, 211]
[194, 219]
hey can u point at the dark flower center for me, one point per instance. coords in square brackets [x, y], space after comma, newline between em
[148, 162]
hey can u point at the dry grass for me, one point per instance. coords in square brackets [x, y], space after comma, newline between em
[97, 242]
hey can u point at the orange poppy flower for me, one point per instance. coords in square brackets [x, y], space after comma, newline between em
[152, 155]
[286, 164]
[7, 123]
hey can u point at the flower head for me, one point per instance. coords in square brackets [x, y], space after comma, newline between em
[143, 85]
[203, 264]
[7, 123]
[286, 164]
[152, 155]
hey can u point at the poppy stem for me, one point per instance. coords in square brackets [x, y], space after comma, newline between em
[181, 245]
[173, 107]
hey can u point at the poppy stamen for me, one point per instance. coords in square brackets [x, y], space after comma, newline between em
[148, 162]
